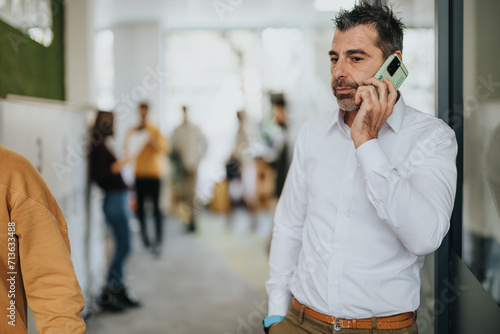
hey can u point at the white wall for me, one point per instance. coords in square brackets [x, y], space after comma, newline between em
[53, 136]
[89, 252]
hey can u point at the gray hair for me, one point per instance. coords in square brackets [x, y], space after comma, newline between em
[389, 28]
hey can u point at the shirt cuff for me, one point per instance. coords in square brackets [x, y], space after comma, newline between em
[279, 303]
[371, 157]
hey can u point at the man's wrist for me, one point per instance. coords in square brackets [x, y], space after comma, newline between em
[271, 320]
[362, 139]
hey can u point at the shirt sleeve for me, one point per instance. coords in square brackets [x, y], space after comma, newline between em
[416, 197]
[52, 290]
[126, 143]
[287, 233]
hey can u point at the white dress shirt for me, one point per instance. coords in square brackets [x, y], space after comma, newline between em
[352, 226]
[191, 144]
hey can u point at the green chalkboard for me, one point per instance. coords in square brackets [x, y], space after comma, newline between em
[28, 68]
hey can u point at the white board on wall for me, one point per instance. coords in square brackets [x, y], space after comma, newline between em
[53, 136]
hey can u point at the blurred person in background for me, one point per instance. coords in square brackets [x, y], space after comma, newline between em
[279, 153]
[36, 264]
[105, 171]
[234, 165]
[188, 148]
[241, 173]
[242, 140]
[146, 147]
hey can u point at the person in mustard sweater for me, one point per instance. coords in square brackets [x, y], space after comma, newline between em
[145, 145]
[35, 260]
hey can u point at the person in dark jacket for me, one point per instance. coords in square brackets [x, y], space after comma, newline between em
[281, 159]
[105, 171]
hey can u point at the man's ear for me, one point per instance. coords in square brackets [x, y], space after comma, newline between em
[399, 54]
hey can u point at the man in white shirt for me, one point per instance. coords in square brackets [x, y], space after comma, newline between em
[369, 193]
[189, 146]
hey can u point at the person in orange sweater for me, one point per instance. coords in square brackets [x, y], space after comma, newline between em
[35, 260]
[145, 145]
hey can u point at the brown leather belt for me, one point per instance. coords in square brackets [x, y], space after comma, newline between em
[398, 321]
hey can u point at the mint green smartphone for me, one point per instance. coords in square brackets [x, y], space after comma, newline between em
[394, 70]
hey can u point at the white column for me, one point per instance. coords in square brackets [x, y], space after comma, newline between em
[79, 50]
[138, 73]
[79, 85]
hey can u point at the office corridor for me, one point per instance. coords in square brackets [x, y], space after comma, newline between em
[209, 282]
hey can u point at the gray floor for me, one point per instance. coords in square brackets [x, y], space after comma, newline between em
[210, 282]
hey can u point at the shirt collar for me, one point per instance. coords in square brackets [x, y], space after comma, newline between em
[394, 121]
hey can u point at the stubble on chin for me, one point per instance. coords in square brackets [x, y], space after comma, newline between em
[346, 102]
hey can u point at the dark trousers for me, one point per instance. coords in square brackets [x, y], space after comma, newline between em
[297, 322]
[116, 213]
[149, 188]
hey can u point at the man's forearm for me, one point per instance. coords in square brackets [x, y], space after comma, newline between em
[282, 264]
[417, 206]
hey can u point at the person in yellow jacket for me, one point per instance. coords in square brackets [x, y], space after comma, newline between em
[35, 260]
[146, 147]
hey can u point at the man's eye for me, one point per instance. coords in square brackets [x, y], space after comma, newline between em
[356, 59]
[334, 60]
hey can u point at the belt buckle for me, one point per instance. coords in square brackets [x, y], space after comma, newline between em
[337, 326]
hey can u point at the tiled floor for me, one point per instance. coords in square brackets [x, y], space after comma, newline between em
[209, 282]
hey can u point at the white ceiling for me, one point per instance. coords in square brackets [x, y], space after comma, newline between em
[223, 14]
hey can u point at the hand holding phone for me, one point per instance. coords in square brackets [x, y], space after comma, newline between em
[394, 70]
[377, 105]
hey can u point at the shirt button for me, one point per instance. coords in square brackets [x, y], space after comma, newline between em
[351, 175]
[334, 284]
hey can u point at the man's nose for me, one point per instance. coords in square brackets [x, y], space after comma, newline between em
[339, 69]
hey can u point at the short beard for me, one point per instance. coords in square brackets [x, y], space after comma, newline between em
[345, 101]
